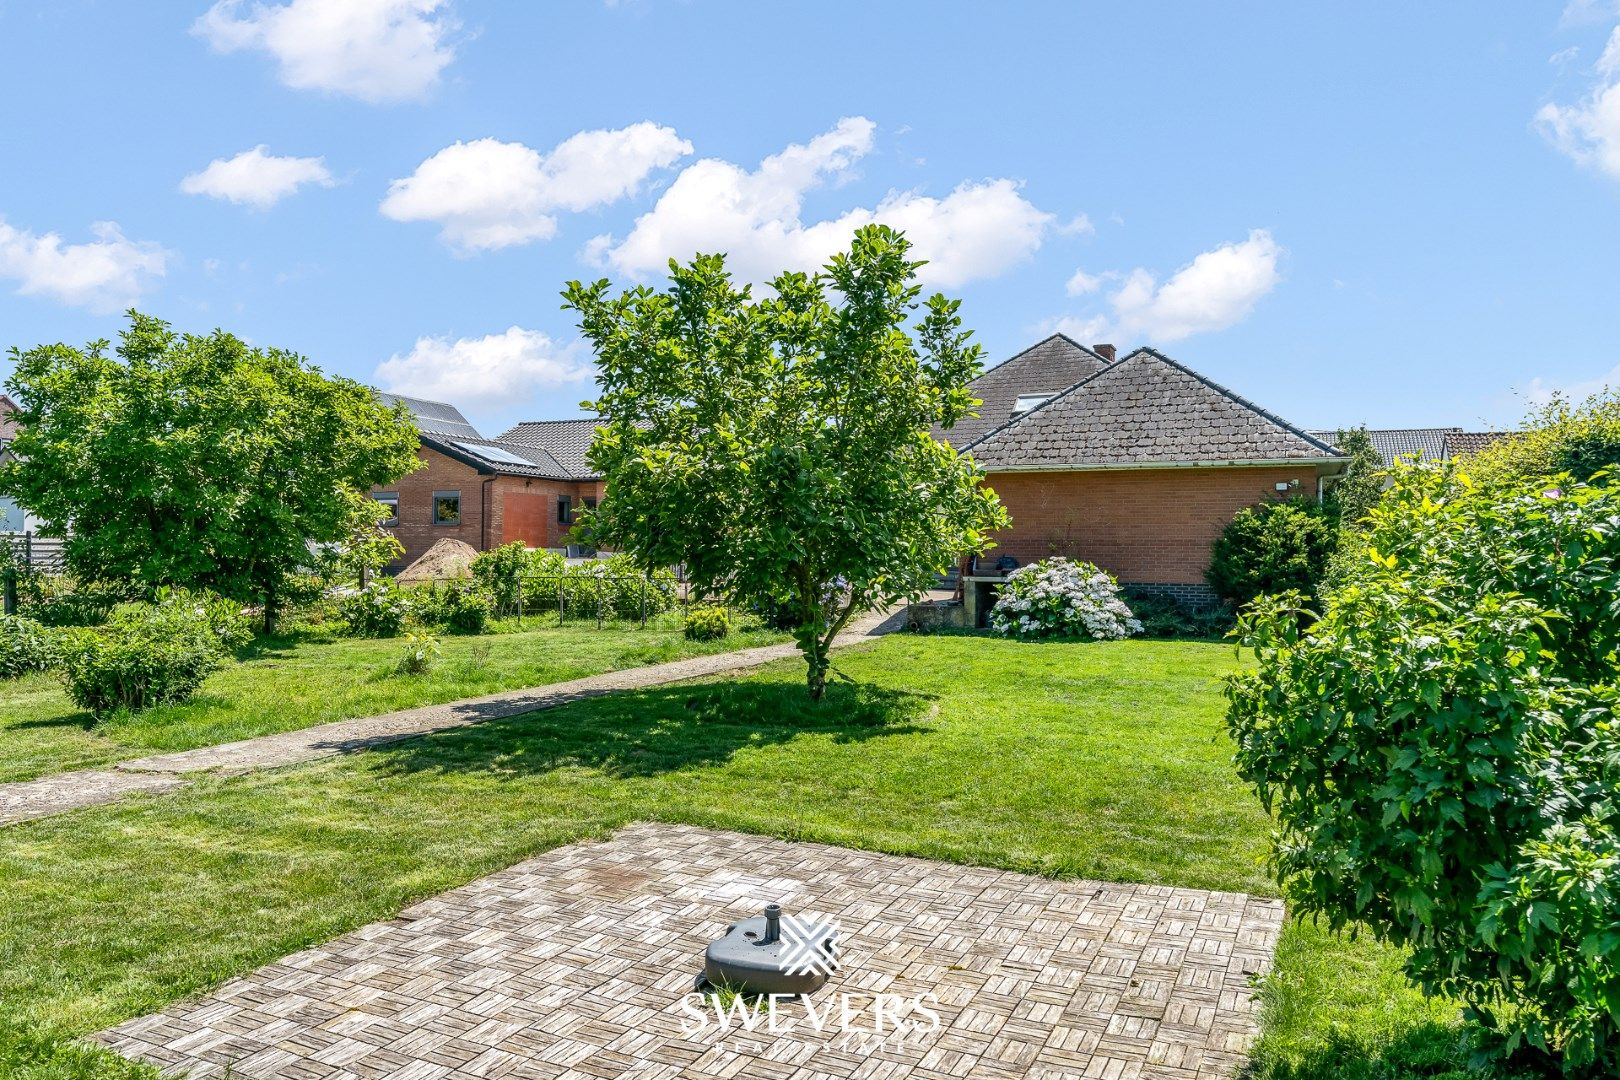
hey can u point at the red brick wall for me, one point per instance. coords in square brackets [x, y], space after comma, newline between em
[416, 529]
[526, 510]
[1142, 525]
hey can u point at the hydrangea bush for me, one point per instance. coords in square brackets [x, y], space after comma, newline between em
[1056, 598]
[379, 610]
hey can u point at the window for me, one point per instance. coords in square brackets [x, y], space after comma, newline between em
[590, 503]
[1027, 402]
[389, 499]
[565, 510]
[447, 508]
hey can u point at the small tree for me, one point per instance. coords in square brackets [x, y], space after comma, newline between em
[1352, 497]
[1441, 753]
[779, 448]
[197, 460]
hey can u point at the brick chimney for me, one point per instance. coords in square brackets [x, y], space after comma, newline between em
[1104, 351]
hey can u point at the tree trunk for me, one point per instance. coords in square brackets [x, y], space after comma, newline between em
[269, 608]
[816, 677]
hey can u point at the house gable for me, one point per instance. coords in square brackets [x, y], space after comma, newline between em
[1047, 367]
[1146, 410]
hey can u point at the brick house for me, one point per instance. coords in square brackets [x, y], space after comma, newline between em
[526, 485]
[1135, 464]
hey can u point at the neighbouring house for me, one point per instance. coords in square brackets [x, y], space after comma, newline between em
[13, 518]
[1422, 444]
[527, 484]
[1135, 464]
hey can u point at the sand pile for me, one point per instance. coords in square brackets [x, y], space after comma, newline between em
[446, 559]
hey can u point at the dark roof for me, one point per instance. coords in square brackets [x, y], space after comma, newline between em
[498, 457]
[1472, 442]
[1429, 444]
[564, 440]
[1047, 367]
[1145, 409]
[434, 417]
[8, 423]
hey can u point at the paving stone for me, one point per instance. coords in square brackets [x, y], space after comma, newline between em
[577, 964]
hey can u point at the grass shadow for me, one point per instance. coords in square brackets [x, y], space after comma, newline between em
[646, 732]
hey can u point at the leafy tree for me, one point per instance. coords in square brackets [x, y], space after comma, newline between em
[1273, 547]
[1353, 495]
[779, 447]
[1560, 436]
[1357, 491]
[197, 460]
[1441, 753]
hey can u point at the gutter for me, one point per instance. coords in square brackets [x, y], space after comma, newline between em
[1253, 463]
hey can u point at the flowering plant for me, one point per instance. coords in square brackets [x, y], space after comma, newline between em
[1056, 598]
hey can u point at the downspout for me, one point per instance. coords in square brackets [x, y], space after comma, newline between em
[483, 514]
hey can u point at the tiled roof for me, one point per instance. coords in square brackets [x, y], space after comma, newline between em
[1145, 409]
[564, 440]
[1472, 442]
[434, 417]
[1047, 367]
[497, 456]
[1429, 444]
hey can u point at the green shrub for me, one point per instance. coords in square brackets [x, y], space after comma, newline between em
[57, 600]
[150, 654]
[1056, 598]
[707, 623]
[615, 585]
[421, 653]
[500, 574]
[465, 609]
[1558, 437]
[1442, 755]
[1271, 548]
[1163, 616]
[25, 647]
[378, 610]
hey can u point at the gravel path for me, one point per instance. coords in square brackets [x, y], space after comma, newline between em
[62, 792]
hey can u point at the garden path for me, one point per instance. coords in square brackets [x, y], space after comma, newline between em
[32, 799]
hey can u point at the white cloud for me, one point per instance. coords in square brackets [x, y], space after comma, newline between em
[1540, 391]
[1217, 289]
[1589, 131]
[498, 369]
[488, 194]
[105, 275]
[979, 230]
[1584, 12]
[1082, 283]
[374, 50]
[256, 177]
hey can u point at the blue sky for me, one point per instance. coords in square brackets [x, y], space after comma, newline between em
[1396, 214]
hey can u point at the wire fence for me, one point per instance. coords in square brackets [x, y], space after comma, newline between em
[600, 597]
[23, 554]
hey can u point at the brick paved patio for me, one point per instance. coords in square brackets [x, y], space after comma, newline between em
[575, 964]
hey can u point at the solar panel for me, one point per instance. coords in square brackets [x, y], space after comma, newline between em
[494, 453]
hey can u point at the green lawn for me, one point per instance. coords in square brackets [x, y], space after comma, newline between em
[312, 677]
[1095, 760]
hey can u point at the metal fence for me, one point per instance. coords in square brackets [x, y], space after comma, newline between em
[593, 596]
[25, 553]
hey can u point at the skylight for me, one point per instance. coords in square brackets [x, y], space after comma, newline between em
[1027, 402]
